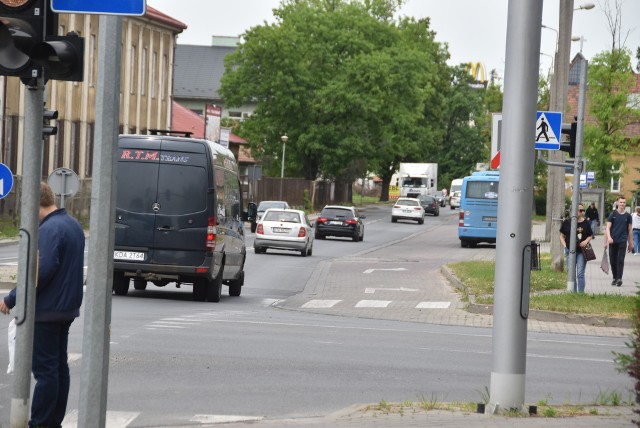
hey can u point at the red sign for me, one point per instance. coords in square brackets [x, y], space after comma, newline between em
[495, 161]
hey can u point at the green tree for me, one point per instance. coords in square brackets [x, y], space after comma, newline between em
[610, 79]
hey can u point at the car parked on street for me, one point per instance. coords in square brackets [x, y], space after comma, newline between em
[338, 220]
[454, 201]
[430, 205]
[407, 209]
[284, 230]
[265, 205]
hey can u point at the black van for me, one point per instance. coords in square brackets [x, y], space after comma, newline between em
[179, 216]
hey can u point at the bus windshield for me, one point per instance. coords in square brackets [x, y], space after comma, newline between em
[482, 190]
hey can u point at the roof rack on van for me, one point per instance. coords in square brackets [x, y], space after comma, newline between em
[185, 134]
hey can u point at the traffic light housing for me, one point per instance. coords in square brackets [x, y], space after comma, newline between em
[49, 129]
[30, 46]
[569, 145]
[22, 26]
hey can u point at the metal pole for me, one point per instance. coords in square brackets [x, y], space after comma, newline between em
[284, 145]
[513, 249]
[577, 169]
[28, 252]
[97, 321]
[556, 180]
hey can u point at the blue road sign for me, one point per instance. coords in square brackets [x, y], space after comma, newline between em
[548, 130]
[109, 7]
[591, 176]
[6, 180]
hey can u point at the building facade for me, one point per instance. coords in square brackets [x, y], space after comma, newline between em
[148, 46]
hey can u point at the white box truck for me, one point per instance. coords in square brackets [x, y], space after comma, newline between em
[418, 179]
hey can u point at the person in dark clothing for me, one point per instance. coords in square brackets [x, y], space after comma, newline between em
[59, 295]
[619, 239]
[583, 236]
[593, 216]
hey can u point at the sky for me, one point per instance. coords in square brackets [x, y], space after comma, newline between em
[475, 30]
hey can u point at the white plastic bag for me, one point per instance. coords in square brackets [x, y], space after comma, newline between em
[12, 344]
[604, 265]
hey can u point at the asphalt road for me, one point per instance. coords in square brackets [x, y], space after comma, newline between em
[179, 362]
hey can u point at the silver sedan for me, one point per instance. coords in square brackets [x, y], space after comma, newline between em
[284, 230]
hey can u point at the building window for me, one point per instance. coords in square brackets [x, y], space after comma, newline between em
[154, 70]
[88, 157]
[143, 72]
[615, 179]
[92, 56]
[132, 70]
[163, 73]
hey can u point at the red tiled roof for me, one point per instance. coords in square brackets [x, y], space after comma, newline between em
[156, 15]
[183, 119]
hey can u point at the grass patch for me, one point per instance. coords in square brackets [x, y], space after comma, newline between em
[8, 229]
[479, 278]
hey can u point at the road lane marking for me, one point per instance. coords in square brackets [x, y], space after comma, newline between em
[373, 303]
[320, 304]
[391, 269]
[221, 419]
[433, 305]
[113, 419]
[373, 290]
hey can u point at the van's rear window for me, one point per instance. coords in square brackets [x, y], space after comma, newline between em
[482, 189]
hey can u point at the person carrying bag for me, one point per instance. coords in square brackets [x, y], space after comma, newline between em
[584, 235]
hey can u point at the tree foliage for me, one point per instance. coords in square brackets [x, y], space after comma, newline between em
[353, 89]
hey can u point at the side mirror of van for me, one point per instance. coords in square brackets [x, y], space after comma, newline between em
[251, 213]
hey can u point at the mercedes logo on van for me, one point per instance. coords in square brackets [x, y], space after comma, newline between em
[155, 207]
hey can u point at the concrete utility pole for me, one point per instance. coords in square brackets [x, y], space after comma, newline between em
[556, 181]
[513, 249]
[28, 252]
[97, 320]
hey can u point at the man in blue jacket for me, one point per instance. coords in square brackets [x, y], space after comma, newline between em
[59, 292]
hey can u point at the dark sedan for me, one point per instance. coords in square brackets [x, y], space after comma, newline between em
[430, 205]
[336, 220]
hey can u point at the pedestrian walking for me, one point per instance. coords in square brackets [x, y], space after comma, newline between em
[593, 217]
[635, 224]
[58, 299]
[619, 239]
[584, 235]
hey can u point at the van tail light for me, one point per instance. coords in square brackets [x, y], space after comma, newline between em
[461, 216]
[260, 230]
[302, 232]
[351, 221]
[211, 234]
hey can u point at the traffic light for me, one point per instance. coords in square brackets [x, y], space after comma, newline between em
[30, 46]
[569, 146]
[47, 128]
[22, 25]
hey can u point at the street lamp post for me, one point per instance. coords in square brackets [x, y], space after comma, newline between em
[284, 139]
[580, 39]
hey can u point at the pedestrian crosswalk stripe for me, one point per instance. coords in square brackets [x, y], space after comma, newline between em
[320, 304]
[221, 419]
[373, 303]
[433, 305]
[113, 419]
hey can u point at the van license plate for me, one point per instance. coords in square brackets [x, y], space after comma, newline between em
[489, 218]
[128, 255]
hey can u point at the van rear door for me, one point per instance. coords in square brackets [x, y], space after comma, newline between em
[162, 200]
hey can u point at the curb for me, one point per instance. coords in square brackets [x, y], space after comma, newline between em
[538, 315]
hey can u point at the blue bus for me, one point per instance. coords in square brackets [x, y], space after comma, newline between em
[478, 208]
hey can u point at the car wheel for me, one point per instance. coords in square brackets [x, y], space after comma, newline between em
[235, 285]
[259, 250]
[139, 284]
[356, 237]
[254, 226]
[451, 206]
[120, 284]
[319, 236]
[304, 252]
[394, 220]
[310, 252]
[421, 221]
[214, 288]
[436, 214]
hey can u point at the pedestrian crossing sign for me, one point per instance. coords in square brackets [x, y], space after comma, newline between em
[548, 130]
